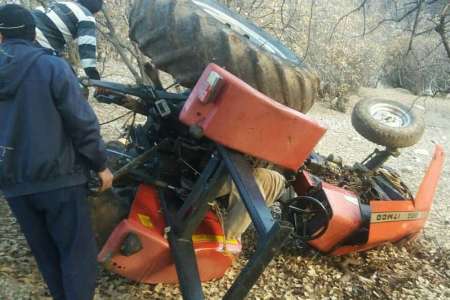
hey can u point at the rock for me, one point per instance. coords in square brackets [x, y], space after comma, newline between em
[407, 169]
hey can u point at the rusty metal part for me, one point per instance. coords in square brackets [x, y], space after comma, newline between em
[396, 181]
[135, 163]
[357, 179]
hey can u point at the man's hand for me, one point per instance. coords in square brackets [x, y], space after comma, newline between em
[106, 180]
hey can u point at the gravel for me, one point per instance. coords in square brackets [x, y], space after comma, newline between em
[416, 270]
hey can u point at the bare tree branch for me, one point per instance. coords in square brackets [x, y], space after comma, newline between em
[441, 30]
[397, 20]
[112, 37]
[416, 22]
[313, 2]
[363, 3]
[364, 20]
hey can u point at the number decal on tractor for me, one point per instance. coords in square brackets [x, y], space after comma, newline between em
[397, 216]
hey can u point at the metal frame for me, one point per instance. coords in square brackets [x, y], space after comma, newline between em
[378, 157]
[183, 221]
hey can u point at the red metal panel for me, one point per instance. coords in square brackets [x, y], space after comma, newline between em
[146, 209]
[424, 197]
[389, 223]
[154, 264]
[393, 221]
[345, 220]
[244, 119]
[303, 182]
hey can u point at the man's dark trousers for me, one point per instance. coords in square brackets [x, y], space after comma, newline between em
[57, 227]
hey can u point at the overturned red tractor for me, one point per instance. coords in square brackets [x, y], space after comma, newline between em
[161, 224]
[164, 230]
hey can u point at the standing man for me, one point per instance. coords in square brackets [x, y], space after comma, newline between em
[65, 21]
[49, 139]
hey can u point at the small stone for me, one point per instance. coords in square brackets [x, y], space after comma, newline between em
[407, 169]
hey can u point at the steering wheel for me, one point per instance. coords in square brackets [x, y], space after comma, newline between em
[309, 216]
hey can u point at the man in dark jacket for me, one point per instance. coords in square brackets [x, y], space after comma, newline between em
[49, 139]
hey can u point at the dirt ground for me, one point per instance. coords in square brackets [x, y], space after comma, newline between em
[417, 270]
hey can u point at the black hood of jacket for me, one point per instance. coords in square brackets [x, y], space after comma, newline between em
[16, 57]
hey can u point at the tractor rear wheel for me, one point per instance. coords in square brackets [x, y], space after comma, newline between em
[183, 36]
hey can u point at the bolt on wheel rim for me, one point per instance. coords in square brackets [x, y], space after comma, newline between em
[390, 115]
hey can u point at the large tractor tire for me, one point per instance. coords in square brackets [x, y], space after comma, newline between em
[183, 36]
